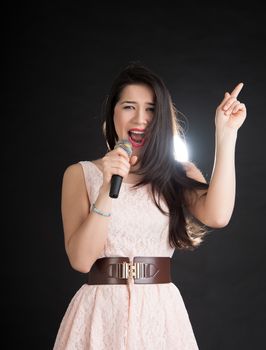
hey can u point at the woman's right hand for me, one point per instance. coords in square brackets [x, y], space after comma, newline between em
[116, 162]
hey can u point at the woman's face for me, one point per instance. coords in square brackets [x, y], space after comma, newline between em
[132, 114]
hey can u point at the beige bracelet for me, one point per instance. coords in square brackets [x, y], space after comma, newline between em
[98, 211]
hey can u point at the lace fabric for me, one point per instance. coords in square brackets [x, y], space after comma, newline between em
[128, 317]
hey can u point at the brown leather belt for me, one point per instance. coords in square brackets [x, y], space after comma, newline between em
[118, 270]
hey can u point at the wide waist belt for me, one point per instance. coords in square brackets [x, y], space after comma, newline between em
[118, 270]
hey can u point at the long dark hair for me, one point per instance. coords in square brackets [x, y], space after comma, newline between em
[158, 165]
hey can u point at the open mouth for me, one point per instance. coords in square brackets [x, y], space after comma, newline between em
[136, 138]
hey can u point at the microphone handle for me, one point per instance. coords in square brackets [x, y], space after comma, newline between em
[116, 182]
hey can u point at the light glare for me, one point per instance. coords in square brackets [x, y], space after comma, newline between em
[180, 149]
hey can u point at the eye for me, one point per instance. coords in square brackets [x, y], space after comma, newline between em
[129, 107]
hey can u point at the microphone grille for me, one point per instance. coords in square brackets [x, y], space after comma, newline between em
[126, 145]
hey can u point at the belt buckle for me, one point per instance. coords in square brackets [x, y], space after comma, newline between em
[131, 270]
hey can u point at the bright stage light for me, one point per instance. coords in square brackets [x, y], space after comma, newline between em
[180, 149]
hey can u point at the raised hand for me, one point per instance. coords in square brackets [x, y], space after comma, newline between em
[231, 113]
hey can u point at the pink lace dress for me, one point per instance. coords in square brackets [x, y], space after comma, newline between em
[132, 316]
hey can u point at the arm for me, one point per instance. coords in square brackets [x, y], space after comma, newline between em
[85, 232]
[214, 207]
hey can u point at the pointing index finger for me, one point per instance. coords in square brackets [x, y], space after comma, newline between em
[237, 90]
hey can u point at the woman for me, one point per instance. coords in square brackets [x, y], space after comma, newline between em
[126, 244]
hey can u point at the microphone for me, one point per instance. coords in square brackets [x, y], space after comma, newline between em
[116, 180]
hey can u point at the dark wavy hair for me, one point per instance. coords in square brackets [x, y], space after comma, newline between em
[158, 165]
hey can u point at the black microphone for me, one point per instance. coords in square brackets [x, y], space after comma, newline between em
[116, 180]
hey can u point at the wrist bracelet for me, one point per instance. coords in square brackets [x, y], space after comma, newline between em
[98, 211]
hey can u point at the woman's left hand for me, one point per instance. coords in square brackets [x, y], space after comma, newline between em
[231, 113]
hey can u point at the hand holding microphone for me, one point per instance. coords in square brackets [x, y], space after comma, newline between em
[116, 166]
[116, 180]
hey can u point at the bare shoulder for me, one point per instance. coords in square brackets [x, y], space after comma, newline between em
[193, 172]
[74, 181]
[73, 169]
[73, 173]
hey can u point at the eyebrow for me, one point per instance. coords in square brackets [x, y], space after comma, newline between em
[148, 103]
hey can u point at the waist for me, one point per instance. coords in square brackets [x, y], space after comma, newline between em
[119, 270]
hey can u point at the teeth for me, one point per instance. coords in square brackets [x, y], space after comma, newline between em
[137, 132]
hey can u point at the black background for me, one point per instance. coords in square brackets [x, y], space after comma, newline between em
[60, 60]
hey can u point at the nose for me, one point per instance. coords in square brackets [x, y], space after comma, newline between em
[141, 117]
